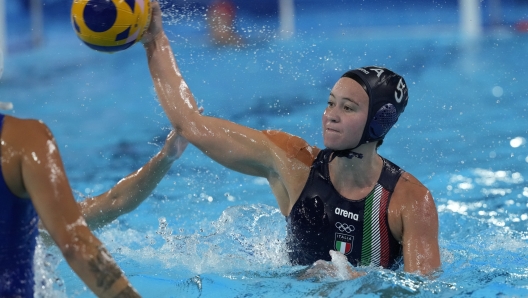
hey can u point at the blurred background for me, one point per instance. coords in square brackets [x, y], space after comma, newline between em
[261, 60]
[269, 64]
[26, 23]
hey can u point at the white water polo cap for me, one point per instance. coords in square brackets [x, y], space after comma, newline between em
[388, 96]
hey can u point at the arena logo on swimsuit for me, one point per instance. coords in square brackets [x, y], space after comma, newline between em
[346, 214]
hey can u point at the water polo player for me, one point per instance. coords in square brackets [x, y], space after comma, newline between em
[34, 186]
[343, 198]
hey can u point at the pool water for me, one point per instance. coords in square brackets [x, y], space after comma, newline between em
[210, 232]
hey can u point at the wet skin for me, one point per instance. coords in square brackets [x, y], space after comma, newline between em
[412, 215]
[33, 170]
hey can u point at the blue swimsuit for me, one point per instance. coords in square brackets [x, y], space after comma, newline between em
[18, 234]
[322, 220]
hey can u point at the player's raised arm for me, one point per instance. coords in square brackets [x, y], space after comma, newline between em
[237, 147]
[132, 190]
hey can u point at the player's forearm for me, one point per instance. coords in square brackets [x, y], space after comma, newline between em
[173, 93]
[132, 190]
[107, 281]
[127, 194]
[96, 268]
[425, 262]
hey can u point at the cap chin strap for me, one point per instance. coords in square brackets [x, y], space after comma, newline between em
[348, 153]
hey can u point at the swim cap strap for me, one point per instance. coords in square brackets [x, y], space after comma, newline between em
[348, 153]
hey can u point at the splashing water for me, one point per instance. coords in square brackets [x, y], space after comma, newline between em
[189, 239]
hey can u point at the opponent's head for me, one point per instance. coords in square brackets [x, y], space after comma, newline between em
[388, 96]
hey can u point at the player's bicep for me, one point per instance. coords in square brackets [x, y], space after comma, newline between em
[237, 147]
[420, 234]
[46, 182]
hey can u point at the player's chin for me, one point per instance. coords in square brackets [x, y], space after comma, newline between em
[332, 143]
[336, 143]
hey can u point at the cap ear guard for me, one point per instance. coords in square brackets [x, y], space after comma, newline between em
[382, 121]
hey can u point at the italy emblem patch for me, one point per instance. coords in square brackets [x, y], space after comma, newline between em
[343, 243]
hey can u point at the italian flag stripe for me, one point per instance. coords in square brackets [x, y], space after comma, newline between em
[384, 230]
[367, 236]
[376, 244]
[370, 253]
[343, 247]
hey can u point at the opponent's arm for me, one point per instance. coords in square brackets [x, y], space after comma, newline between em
[45, 181]
[419, 220]
[237, 147]
[132, 190]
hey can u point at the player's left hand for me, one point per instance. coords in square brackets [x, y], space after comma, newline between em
[337, 268]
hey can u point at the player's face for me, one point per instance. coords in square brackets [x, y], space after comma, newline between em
[345, 115]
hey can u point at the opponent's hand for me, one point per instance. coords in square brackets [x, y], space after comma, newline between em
[156, 24]
[175, 144]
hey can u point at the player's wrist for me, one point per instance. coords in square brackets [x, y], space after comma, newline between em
[154, 40]
[167, 157]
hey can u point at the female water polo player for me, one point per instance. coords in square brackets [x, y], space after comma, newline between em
[33, 186]
[344, 198]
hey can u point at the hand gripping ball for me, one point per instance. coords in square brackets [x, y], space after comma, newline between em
[110, 25]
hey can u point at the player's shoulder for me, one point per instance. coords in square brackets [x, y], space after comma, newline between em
[412, 200]
[409, 178]
[16, 122]
[294, 146]
[27, 130]
[410, 187]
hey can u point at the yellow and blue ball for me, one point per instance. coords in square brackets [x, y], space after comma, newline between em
[110, 25]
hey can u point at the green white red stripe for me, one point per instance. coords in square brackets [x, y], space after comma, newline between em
[375, 248]
[343, 247]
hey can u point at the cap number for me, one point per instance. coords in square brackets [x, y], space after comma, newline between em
[400, 87]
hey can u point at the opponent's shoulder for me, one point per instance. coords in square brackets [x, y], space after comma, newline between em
[25, 132]
[32, 126]
[294, 146]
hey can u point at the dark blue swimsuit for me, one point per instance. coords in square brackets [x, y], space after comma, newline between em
[322, 220]
[18, 234]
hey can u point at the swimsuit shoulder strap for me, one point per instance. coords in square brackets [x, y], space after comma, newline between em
[390, 175]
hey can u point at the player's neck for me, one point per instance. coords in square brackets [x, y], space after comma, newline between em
[355, 172]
